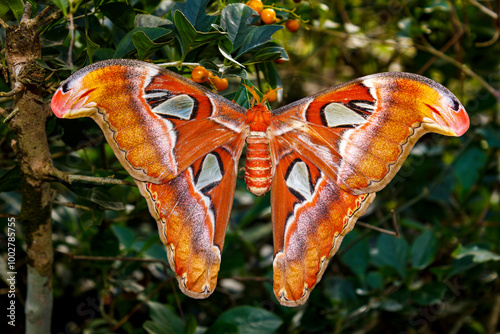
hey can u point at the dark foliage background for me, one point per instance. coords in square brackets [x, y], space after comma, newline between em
[440, 276]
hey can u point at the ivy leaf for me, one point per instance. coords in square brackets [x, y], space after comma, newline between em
[195, 11]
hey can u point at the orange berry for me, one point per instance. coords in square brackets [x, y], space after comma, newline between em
[268, 15]
[272, 95]
[199, 74]
[256, 5]
[219, 84]
[292, 25]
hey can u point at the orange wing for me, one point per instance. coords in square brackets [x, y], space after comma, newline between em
[360, 133]
[180, 142]
[192, 212]
[332, 152]
[152, 118]
[311, 216]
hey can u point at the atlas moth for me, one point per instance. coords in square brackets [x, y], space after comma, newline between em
[323, 158]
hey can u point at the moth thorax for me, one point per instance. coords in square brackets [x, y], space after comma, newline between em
[258, 167]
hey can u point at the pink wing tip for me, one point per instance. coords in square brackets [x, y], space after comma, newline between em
[462, 122]
[57, 104]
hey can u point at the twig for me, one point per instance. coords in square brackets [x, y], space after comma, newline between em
[55, 173]
[71, 40]
[3, 24]
[12, 92]
[492, 324]
[378, 229]
[395, 224]
[461, 66]
[72, 257]
[11, 115]
[72, 205]
[41, 16]
[484, 9]
[177, 64]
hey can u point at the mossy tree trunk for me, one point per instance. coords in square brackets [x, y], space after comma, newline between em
[27, 119]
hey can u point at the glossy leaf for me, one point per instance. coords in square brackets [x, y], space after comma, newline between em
[195, 11]
[238, 19]
[127, 44]
[357, 255]
[125, 235]
[164, 320]
[256, 37]
[424, 249]
[144, 45]
[251, 320]
[393, 252]
[189, 36]
[151, 21]
[120, 13]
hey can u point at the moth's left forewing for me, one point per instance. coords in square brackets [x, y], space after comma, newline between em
[192, 212]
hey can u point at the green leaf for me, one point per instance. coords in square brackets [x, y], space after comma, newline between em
[91, 218]
[190, 38]
[340, 290]
[250, 320]
[479, 255]
[144, 45]
[238, 19]
[91, 48]
[125, 235]
[151, 21]
[16, 6]
[195, 11]
[120, 13]
[429, 293]
[391, 252]
[190, 327]
[127, 44]
[468, 166]
[226, 48]
[104, 243]
[164, 320]
[10, 180]
[105, 199]
[256, 37]
[424, 249]
[356, 257]
[222, 327]
[375, 280]
[266, 52]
